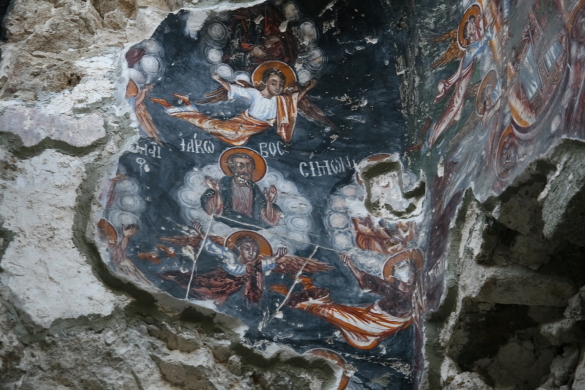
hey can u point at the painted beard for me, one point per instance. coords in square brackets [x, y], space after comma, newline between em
[243, 180]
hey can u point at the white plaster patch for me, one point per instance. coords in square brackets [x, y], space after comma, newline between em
[33, 126]
[45, 274]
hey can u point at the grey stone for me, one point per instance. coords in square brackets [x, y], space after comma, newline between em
[468, 381]
[33, 126]
[579, 380]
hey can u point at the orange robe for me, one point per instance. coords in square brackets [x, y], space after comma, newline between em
[362, 327]
[238, 130]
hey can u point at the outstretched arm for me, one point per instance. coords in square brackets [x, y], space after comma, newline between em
[142, 93]
[279, 253]
[369, 282]
[215, 203]
[119, 252]
[271, 214]
[310, 85]
[227, 86]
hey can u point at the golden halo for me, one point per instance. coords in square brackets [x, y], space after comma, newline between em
[571, 22]
[265, 250]
[291, 77]
[259, 161]
[473, 10]
[492, 78]
[410, 254]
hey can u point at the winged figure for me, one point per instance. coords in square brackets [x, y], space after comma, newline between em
[245, 257]
[120, 262]
[378, 238]
[275, 101]
[468, 42]
[362, 327]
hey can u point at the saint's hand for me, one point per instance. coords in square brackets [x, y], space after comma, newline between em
[311, 84]
[129, 230]
[216, 77]
[257, 52]
[280, 252]
[199, 228]
[347, 260]
[441, 87]
[213, 184]
[271, 194]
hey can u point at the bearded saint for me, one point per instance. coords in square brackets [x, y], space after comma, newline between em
[238, 200]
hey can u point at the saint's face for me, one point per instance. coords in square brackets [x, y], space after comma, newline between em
[472, 30]
[488, 96]
[248, 252]
[243, 169]
[275, 85]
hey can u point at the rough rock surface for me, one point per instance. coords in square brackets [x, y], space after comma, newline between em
[33, 126]
[512, 317]
[65, 321]
[514, 312]
[45, 276]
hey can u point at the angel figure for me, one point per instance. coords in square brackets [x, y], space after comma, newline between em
[121, 263]
[246, 257]
[362, 327]
[468, 42]
[133, 57]
[275, 101]
[382, 239]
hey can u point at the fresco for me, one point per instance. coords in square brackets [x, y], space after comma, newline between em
[277, 178]
[247, 191]
[502, 86]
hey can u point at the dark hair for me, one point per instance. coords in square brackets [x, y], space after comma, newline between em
[471, 17]
[244, 239]
[270, 72]
[134, 55]
[239, 155]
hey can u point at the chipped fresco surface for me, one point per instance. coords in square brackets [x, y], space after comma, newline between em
[277, 180]
[496, 96]
[243, 192]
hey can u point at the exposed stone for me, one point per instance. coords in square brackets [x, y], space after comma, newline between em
[449, 370]
[468, 381]
[514, 285]
[579, 380]
[521, 364]
[194, 372]
[563, 205]
[45, 275]
[562, 331]
[563, 366]
[33, 126]
[576, 308]
[234, 365]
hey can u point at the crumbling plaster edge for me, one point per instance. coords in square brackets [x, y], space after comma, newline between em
[85, 223]
[438, 320]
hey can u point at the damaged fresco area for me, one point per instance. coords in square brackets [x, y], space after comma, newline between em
[501, 84]
[277, 179]
[262, 130]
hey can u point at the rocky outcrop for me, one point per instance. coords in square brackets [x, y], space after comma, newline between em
[512, 317]
[65, 320]
[513, 312]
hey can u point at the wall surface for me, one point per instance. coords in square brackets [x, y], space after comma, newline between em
[302, 194]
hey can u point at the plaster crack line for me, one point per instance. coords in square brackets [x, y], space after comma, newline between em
[198, 254]
[264, 323]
